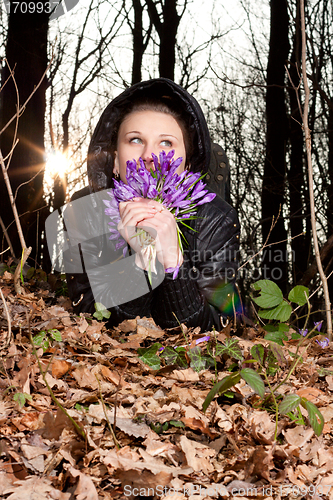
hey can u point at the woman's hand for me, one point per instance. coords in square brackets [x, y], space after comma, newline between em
[151, 216]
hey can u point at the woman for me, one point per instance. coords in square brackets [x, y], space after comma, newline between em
[147, 118]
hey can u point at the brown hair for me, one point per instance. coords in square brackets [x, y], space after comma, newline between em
[160, 107]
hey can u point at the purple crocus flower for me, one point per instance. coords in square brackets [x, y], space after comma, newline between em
[173, 270]
[323, 343]
[303, 332]
[202, 339]
[318, 325]
[180, 194]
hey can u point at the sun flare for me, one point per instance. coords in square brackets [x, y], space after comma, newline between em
[57, 165]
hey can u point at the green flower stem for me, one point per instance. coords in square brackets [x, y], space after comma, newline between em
[275, 404]
[296, 361]
[179, 323]
[54, 399]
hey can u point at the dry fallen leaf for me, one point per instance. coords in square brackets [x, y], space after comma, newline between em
[260, 463]
[85, 378]
[54, 426]
[188, 375]
[60, 367]
[316, 396]
[85, 489]
[298, 436]
[197, 455]
[35, 488]
[113, 377]
[124, 423]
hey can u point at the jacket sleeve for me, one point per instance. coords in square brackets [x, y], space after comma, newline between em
[111, 286]
[204, 291]
[95, 268]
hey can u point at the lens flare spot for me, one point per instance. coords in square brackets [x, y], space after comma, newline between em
[226, 299]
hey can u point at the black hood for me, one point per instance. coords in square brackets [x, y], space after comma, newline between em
[100, 159]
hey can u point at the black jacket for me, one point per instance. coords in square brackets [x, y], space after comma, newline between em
[203, 292]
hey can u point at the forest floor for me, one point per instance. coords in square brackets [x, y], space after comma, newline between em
[145, 431]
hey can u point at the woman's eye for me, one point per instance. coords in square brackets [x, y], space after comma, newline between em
[136, 140]
[166, 143]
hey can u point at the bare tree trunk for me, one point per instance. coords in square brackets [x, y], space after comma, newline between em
[138, 45]
[26, 52]
[297, 179]
[166, 26]
[330, 196]
[275, 263]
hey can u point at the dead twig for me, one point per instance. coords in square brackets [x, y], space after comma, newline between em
[4, 230]
[22, 108]
[9, 323]
[266, 245]
[310, 177]
[12, 201]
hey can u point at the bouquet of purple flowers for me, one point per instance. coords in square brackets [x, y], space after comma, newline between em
[180, 194]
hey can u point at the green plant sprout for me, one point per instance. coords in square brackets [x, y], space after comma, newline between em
[101, 312]
[20, 397]
[43, 339]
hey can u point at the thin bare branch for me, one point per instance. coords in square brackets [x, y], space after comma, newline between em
[22, 108]
[9, 323]
[3, 227]
[310, 175]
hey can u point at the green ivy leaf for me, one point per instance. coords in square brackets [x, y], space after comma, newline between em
[258, 353]
[315, 417]
[281, 312]
[181, 358]
[156, 428]
[56, 335]
[254, 380]
[199, 361]
[170, 355]
[270, 294]
[222, 386]
[149, 357]
[165, 426]
[295, 336]
[289, 403]
[231, 348]
[298, 294]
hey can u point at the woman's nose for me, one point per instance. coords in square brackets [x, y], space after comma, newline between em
[147, 157]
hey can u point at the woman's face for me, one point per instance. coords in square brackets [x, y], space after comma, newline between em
[143, 133]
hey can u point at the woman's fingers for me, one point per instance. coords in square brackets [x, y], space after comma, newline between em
[154, 219]
[132, 213]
